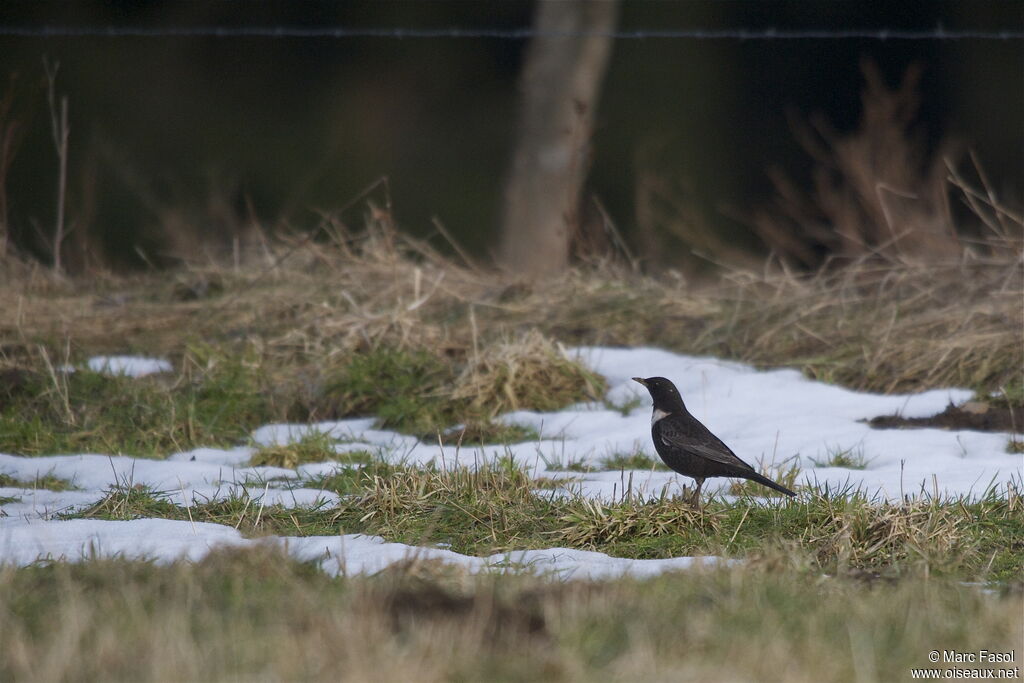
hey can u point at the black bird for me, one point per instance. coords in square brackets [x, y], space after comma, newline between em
[688, 447]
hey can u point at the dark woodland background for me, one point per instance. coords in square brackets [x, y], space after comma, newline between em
[178, 144]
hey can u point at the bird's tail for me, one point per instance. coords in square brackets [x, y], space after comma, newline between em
[760, 479]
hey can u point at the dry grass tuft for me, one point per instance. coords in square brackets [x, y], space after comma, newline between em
[924, 533]
[594, 524]
[531, 371]
[784, 473]
[490, 505]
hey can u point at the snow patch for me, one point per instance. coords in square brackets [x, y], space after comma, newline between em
[128, 366]
[162, 541]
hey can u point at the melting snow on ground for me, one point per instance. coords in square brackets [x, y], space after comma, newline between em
[165, 540]
[774, 417]
[128, 366]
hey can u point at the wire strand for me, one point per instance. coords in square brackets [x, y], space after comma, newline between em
[761, 34]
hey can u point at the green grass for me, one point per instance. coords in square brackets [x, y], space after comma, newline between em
[249, 614]
[581, 465]
[312, 447]
[498, 507]
[637, 460]
[350, 480]
[127, 501]
[785, 473]
[849, 458]
[1008, 395]
[554, 483]
[634, 460]
[46, 481]
[214, 401]
[219, 396]
[401, 388]
[626, 406]
[489, 432]
[417, 392]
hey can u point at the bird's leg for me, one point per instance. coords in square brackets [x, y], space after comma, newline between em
[695, 498]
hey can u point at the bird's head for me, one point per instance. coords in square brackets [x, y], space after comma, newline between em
[666, 396]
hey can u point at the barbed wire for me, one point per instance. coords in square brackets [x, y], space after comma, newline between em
[759, 34]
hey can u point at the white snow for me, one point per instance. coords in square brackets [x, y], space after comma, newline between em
[360, 554]
[129, 366]
[24, 542]
[163, 540]
[181, 482]
[42, 503]
[767, 417]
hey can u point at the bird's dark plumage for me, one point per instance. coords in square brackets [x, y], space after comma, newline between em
[688, 447]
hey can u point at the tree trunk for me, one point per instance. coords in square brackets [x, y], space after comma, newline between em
[558, 89]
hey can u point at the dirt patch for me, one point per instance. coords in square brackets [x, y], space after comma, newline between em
[982, 417]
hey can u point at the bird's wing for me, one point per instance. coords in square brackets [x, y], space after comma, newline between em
[697, 439]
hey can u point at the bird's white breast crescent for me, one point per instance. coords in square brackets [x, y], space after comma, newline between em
[657, 415]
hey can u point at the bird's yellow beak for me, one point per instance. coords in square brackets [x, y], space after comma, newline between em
[640, 380]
